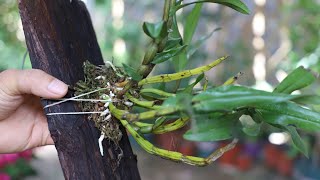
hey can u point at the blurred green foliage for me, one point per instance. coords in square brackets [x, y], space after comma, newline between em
[129, 31]
[303, 20]
[12, 45]
[304, 26]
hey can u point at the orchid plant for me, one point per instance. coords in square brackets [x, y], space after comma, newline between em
[110, 94]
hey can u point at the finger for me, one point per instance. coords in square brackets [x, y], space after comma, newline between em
[34, 81]
[43, 128]
[49, 140]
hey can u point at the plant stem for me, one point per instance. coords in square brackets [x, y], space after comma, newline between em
[150, 114]
[166, 10]
[146, 104]
[182, 74]
[157, 92]
[153, 49]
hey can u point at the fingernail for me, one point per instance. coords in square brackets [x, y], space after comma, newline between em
[58, 87]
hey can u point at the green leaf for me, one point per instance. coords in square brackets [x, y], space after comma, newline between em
[214, 128]
[297, 140]
[256, 116]
[180, 62]
[173, 42]
[181, 100]
[190, 87]
[11, 170]
[155, 30]
[24, 168]
[250, 127]
[191, 23]
[195, 46]
[160, 86]
[132, 72]
[232, 97]
[296, 80]
[175, 33]
[308, 99]
[170, 102]
[168, 54]
[288, 113]
[234, 4]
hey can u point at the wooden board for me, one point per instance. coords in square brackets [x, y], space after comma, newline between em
[60, 37]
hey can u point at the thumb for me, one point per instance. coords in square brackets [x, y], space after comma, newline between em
[34, 81]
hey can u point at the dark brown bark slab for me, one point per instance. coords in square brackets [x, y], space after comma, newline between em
[60, 37]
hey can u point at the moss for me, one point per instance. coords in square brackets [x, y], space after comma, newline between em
[97, 77]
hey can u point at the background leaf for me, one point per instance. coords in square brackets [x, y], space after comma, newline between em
[234, 4]
[132, 72]
[296, 80]
[180, 62]
[297, 140]
[191, 23]
[288, 113]
[195, 46]
[213, 127]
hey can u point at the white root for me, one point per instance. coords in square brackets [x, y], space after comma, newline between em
[73, 113]
[112, 66]
[100, 77]
[107, 118]
[73, 98]
[111, 94]
[106, 104]
[85, 100]
[101, 138]
[105, 112]
[129, 104]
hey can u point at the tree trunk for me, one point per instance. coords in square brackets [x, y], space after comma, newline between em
[60, 37]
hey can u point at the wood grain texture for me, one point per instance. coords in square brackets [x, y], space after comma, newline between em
[60, 37]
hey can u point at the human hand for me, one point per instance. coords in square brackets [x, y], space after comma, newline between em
[23, 124]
